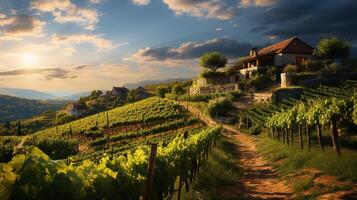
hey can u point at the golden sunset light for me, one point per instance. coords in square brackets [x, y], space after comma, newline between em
[178, 99]
[29, 59]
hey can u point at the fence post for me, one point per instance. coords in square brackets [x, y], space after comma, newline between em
[151, 171]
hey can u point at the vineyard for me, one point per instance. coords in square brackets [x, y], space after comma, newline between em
[108, 153]
[116, 177]
[114, 129]
[317, 109]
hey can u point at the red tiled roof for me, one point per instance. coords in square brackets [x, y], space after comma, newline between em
[298, 46]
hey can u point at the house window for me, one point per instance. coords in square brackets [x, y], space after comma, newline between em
[300, 61]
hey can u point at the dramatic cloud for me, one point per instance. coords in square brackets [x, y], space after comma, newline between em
[247, 3]
[48, 73]
[96, 40]
[312, 19]
[95, 1]
[65, 11]
[80, 67]
[17, 26]
[141, 2]
[203, 8]
[217, 9]
[191, 50]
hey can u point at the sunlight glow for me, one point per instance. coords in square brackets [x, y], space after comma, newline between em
[29, 59]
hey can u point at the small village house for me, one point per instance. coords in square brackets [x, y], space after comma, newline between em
[121, 92]
[290, 51]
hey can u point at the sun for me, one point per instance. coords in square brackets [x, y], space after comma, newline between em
[29, 59]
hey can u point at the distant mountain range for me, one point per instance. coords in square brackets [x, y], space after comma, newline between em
[26, 93]
[35, 94]
[75, 96]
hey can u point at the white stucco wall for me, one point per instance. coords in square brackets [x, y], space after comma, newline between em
[284, 59]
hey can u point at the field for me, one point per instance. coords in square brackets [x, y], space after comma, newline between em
[107, 153]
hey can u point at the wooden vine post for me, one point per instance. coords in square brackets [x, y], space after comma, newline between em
[151, 172]
[181, 178]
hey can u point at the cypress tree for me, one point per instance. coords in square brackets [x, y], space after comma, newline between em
[19, 128]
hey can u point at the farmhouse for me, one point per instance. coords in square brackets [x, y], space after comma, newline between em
[120, 92]
[290, 51]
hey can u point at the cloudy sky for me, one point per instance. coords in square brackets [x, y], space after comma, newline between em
[80, 45]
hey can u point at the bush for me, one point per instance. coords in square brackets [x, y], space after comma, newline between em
[161, 91]
[212, 74]
[57, 148]
[219, 106]
[177, 90]
[255, 130]
[290, 69]
[6, 151]
[313, 65]
[334, 68]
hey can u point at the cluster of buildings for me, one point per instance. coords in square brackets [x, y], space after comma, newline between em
[291, 51]
[122, 93]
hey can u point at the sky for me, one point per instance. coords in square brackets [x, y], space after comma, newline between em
[81, 45]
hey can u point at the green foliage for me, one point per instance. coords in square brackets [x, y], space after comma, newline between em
[161, 91]
[177, 90]
[205, 97]
[63, 118]
[147, 110]
[219, 106]
[330, 49]
[56, 148]
[290, 69]
[35, 176]
[213, 61]
[334, 68]
[314, 65]
[212, 74]
[255, 130]
[354, 113]
[14, 108]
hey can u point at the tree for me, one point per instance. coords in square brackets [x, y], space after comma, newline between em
[132, 96]
[330, 49]
[161, 91]
[213, 61]
[19, 128]
[177, 90]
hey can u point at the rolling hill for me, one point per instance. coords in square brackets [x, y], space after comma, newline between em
[14, 108]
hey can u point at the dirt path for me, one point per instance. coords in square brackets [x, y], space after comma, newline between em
[259, 180]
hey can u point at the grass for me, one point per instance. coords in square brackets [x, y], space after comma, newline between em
[218, 171]
[300, 167]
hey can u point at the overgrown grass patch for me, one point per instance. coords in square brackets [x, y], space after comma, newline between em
[219, 170]
[294, 158]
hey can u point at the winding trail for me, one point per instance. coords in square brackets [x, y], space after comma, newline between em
[259, 180]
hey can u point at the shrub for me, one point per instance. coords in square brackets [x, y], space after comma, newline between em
[212, 74]
[177, 90]
[255, 130]
[57, 148]
[290, 68]
[219, 106]
[161, 91]
[334, 68]
[313, 65]
[6, 151]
